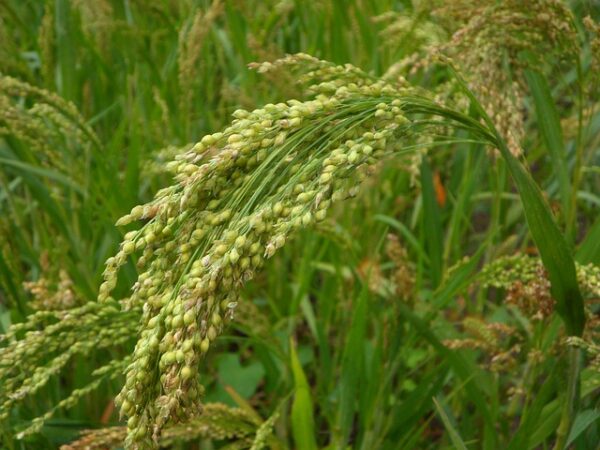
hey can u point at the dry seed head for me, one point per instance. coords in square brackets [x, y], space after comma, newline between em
[487, 37]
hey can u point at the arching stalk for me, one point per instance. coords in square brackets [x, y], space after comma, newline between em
[242, 193]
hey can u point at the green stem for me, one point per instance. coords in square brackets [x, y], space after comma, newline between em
[571, 398]
[579, 151]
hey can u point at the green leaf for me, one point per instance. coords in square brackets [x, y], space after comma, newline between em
[589, 250]
[42, 173]
[539, 419]
[583, 420]
[449, 422]
[548, 122]
[464, 369]
[432, 225]
[243, 379]
[352, 366]
[410, 238]
[303, 423]
[554, 251]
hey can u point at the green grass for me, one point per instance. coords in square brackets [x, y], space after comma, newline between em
[338, 342]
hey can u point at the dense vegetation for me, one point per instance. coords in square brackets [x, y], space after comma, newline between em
[288, 224]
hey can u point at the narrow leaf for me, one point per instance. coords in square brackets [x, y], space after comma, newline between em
[582, 422]
[554, 251]
[589, 249]
[303, 425]
[352, 366]
[449, 425]
[432, 225]
[548, 122]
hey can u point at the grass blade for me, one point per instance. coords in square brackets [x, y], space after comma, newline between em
[589, 250]
[554, 251]
[432, 225]
[352, 366]
[449, 424]
[548, 122]
[582, 422]
[303, 424]
[465, 370]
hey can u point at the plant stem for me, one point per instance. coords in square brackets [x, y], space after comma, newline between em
[571, 398]
[579, 154]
